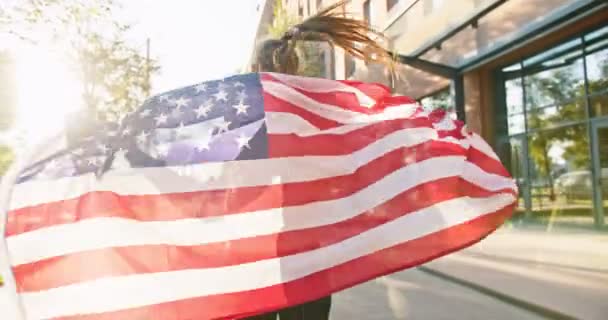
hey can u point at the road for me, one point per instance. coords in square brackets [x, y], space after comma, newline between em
[562, 273]
[415, 295]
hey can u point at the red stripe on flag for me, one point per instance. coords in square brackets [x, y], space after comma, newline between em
[246, 303]
[338, 99]
[200, 204]
[290, 145]
[348, 100]
[375, 91]
[64, 270]
[272, 103]
[487, 163]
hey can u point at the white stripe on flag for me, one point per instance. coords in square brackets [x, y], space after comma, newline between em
[321, 85]
[478, 143]
[299, 99]
[214, 176]
[335, 113]
[289, 123]
[111, 294]
[100, 233]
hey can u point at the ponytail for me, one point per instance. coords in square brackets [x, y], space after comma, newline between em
[330, 25]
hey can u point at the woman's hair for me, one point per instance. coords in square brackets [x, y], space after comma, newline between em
[356, 37]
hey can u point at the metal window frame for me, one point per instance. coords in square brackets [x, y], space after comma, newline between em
[455, 75]
[590, 121]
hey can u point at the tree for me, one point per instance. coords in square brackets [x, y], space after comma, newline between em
[311, 54]
[561, 88]
[114, 75]
[6, 158]
[7, 91]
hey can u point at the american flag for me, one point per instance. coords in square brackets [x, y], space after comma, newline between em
[244, 195]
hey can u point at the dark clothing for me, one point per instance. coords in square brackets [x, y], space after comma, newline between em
[314, 310]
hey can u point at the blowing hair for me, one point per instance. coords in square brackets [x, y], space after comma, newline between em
[329, 25]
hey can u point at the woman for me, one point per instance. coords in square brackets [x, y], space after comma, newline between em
[280, 55]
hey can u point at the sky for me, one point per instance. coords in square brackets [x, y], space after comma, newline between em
[194, 40]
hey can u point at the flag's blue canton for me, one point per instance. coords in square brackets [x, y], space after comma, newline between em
[213, 121]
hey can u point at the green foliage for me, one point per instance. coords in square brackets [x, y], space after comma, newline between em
[6, 158]
[114, 73]
[310, 54]
[560, 88]
[7, 91]
[282, 20]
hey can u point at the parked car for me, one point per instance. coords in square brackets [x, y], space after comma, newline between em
[579, 184]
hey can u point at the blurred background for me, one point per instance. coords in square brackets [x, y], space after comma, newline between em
[530, 76]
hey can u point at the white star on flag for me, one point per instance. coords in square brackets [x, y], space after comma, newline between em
[243, 141]
[145, 113]
[222, 125]
[142, 137]
[203, 145]
[239, 84]
[102, 147]
[201, 88]
[163, 150]
[181, 130]
[203, 110]
[164, 97]
[120, 160]
[161, 118]
[126, 131]
[242, 95]
[52, 164]
[222, 86]
[241, 108]
[221, 95]
[181, 102]
[92, 161]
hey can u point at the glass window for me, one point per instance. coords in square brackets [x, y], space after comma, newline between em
[390, 4]
[349, 66]
[516, 123]
[551, 116]
[517, 166]
[597, 67]
[556, 80]
[514, 67]
[441, 99]
[600, 33]
[550, 99]
[367, 11]
[549, 54]
[431, 5]
[561, 184]
[599, 105]
[515, 96]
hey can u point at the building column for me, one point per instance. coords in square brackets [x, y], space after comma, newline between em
[479, 103]
[472, 102]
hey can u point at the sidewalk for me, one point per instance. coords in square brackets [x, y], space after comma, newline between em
[561, 270]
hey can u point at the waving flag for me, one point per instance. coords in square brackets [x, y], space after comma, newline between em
[235, 197]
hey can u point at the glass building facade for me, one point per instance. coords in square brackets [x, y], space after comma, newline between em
[441, 99]
[553, 130]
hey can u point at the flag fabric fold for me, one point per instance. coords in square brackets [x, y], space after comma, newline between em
[244, 195]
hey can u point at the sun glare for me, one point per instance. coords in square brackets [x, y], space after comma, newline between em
[47, 91]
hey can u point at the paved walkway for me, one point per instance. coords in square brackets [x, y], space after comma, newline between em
[559, 274]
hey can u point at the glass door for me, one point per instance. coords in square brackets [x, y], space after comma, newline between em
[600, 169]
